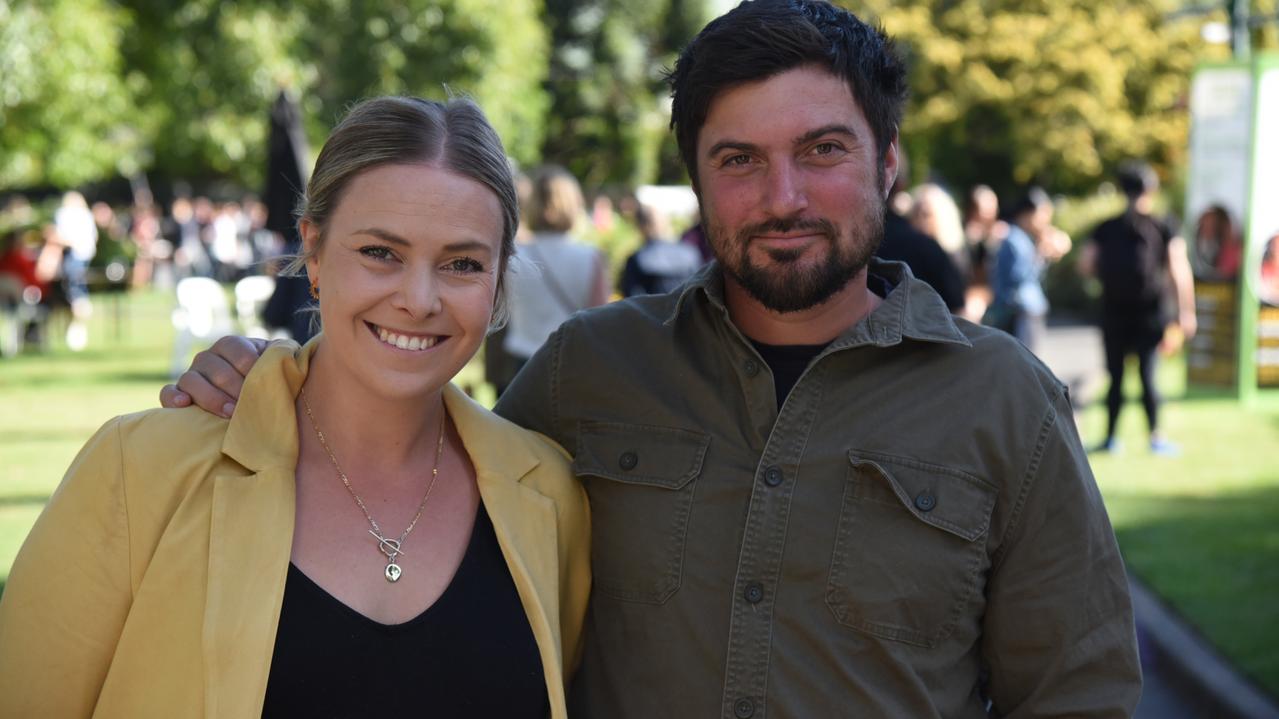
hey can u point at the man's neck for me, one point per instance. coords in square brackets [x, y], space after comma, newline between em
[813, 326]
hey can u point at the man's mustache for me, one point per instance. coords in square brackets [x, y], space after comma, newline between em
[819, 225]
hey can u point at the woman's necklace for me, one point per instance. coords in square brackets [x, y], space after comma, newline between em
[389, 547]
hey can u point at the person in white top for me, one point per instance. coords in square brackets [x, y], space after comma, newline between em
[555, 275]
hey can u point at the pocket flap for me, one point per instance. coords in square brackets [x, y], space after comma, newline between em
[640, 454]
[946, 498]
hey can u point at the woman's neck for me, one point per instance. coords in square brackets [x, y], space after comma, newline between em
[366, 431]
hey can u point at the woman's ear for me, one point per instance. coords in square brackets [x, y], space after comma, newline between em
[310, 233]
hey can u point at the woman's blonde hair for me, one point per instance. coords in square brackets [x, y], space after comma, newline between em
[934, 213]
[556, 203]
[454, 135]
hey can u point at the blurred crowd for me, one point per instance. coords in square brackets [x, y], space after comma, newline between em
[987, 265]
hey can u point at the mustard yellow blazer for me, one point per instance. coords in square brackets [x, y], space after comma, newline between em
[151, 585]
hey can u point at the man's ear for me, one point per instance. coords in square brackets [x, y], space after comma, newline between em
[891, 159]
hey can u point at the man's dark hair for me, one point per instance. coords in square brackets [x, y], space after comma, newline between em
[1031, 200]
[762, 38]
[1136, 179]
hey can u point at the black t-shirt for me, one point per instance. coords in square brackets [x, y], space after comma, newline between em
[788, 362]
[1132, 264]
[470, 654]
[925, 258]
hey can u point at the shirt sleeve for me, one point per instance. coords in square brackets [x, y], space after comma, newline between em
[530, 399]
[1059, 638]
[69, 591]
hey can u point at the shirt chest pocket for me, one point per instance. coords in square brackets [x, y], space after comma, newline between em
[640, 480]
[908, 558]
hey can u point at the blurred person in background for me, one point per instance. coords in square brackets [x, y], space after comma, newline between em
[190, 258]
[934, 213]
[983, 232]
[662, 263]
[1147, 287]
[1018, 303]
[555, 275]
[78, 234]
[921, 253]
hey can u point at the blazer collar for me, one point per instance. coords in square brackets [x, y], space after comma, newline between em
[263, 430]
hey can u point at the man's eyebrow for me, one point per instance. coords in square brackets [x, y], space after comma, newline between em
[730, 145]
[832, 129]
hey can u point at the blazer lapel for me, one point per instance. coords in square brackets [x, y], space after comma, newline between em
[251, 535]
[250, 540]
[524, 519]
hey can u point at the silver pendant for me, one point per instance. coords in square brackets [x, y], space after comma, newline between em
[392, 572]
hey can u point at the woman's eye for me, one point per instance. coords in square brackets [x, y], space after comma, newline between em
[465, 265]
[376, 252]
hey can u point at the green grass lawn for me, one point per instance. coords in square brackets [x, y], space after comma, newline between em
[1201, 530]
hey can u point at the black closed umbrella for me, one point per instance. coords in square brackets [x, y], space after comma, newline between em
[286, 175]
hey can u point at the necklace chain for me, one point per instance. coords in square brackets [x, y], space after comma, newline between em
[391, 548]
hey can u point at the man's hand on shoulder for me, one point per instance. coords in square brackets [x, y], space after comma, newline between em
[216, 376]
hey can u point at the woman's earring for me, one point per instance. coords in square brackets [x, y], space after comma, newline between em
[315, 291]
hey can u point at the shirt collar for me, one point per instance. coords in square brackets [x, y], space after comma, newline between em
[912, 310]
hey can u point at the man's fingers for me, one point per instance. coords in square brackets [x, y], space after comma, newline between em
[172, 397]
[240, 353]
[204, 393]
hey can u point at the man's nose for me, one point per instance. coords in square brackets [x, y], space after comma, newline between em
[786, 191]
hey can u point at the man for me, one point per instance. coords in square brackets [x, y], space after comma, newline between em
[790, 516]
[1146, 281]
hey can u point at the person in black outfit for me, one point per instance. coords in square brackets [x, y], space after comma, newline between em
[921, 253]
[1146, 282]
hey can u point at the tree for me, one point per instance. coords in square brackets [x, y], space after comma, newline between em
[1008, 92]
[66, 113]
[609, 110]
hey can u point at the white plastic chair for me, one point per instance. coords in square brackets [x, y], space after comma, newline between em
[202, 313]
[251, 295]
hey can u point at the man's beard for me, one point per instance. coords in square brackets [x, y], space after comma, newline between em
[787, 286]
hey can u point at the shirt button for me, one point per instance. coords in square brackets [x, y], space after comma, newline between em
[925, 501]
[628, 460]
[744, 708]
[751, 367]
[754, 593]
[773, 476]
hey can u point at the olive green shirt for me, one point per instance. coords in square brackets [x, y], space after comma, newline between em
[915, 533]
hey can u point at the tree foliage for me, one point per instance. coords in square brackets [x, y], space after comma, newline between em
[609, 111]
[92, 88]
[66, 113]
[1008, 92]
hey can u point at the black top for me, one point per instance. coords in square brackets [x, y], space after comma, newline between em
[788, 362]
[1132, 264]
[470, 654]
[925, 258]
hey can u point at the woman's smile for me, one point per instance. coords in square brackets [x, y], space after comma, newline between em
[404, 340]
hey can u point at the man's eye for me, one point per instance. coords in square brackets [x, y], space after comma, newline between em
[376, 252]
[737, 160]
[826, 148]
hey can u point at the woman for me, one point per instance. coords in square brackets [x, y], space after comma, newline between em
[360, 537]
[556, 276]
